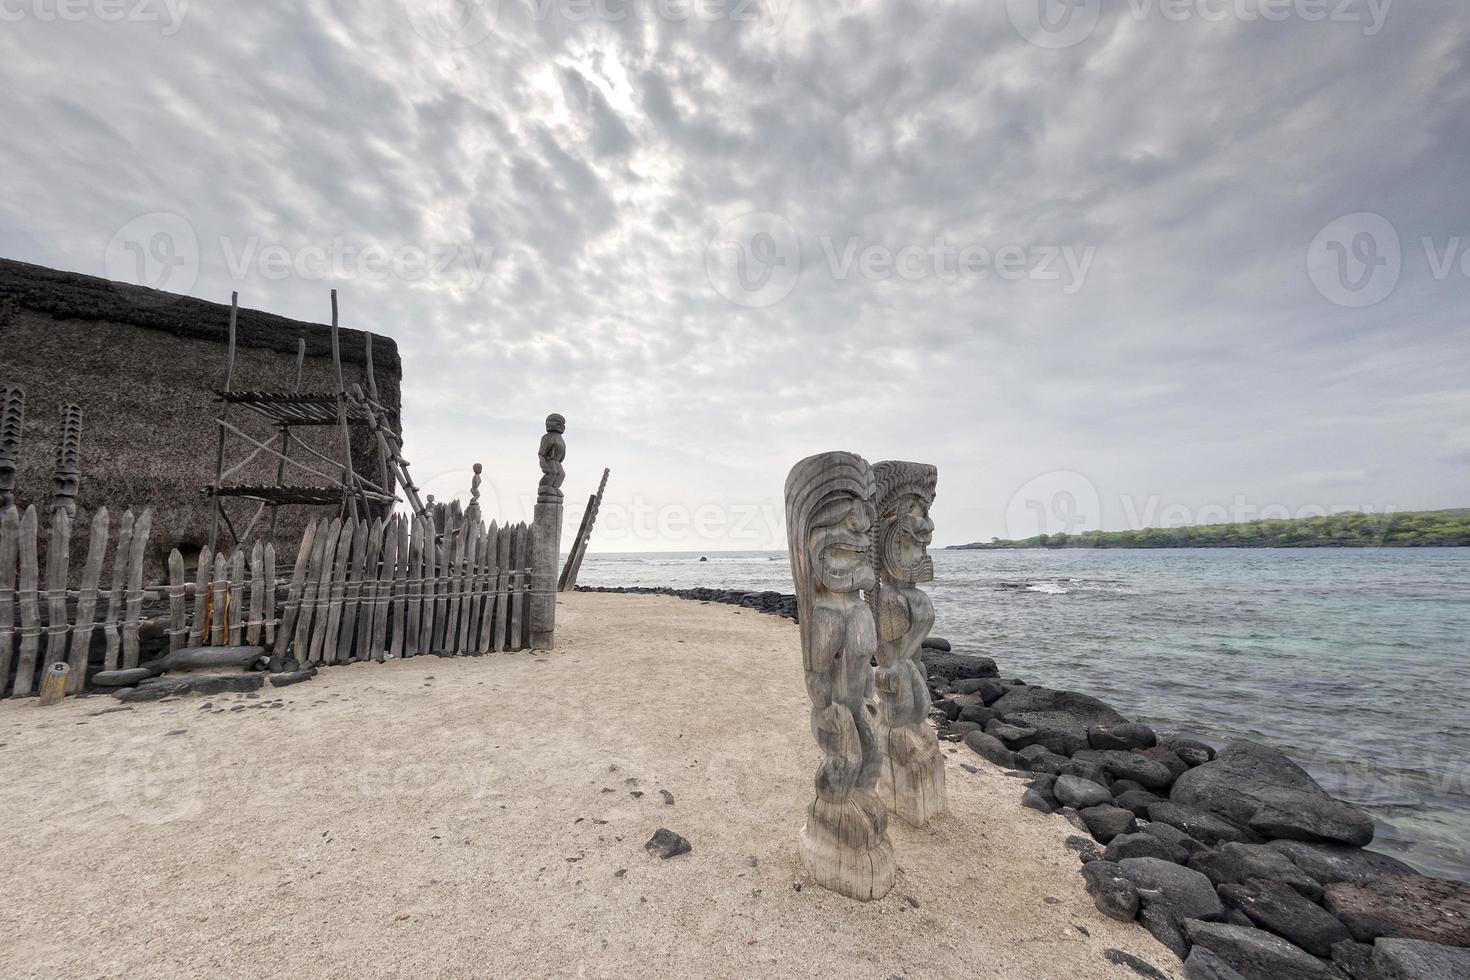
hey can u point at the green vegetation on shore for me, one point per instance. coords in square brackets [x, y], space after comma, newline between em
[1437, 528]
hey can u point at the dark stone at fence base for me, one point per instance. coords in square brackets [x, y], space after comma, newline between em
[1436, 910]
[1088, 710]
[1138, 801]
[1256, 786]
[1142, 845]
[1186, 894]
[1091, 771]
[1279, 908]
[1085, 847]
[959, 729]
[1173, 835]
[1080, 793]
[1138, 966]
[163, 687]
[1037, 759]
[1130, 736]
[1354, 959]
[1034, 799]
[123, 678]
[1414, 959]
[951, 667]
[1234, 864]
[991, 749]
[285, 679]
[1203, 827]
[666, 844]
[1060, 733]
[1164, 926]
[1256, 954]
[1337, 862]
[949, 707]
[978, 714]
[1016, 737]
[1203, 964]
[1107, 821]
[1133, 766]
[936, 643]
[1113, 894]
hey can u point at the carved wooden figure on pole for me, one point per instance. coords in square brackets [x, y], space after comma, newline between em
[12, 419]
[546, 534]
[66, 479]
[829, 522]
[912, 780]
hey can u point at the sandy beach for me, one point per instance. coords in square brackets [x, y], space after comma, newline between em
[486, 817]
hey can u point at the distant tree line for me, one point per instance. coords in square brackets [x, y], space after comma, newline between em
[1442, 528]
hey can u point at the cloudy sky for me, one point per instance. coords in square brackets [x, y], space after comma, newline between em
[1145, 263]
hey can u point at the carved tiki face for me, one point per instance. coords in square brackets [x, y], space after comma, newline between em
[555, 423]
[905, 493]
[841, 542]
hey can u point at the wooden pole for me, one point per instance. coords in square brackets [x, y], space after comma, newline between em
[30, 610]
[349, 481]
[81, 637]
[9, 549]
[58, 552]
[54, 683]
[219, 452]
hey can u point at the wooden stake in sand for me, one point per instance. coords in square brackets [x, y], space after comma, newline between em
[912, 778]
[829, 521]
[53, 683]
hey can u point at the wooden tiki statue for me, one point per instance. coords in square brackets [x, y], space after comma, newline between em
[829, 525]
[12, 417]
[912, 779]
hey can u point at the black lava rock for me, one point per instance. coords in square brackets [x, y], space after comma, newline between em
[1257, 953]
[1279, 908]
[1203, 827]
[1142, 845]
[1234, 864]
[1107, 821]
[666, 844]
[1112, 892]
[1129, 736]
[991, 749]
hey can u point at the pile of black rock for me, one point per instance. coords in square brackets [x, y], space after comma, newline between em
[1235, 859]
[773, 603]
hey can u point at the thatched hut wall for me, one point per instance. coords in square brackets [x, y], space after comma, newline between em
[144, 367]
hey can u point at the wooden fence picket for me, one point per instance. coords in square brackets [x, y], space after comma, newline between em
[81, 637]
[430, 580]
[415, 587]
[133, 612]
[257, 595]
[9, 550]
[237, 596]
[270, 595]
[469, 619]
[115, 597]
[297, 586]
[324, 645]
[352, 589]
[219, 602]
[456, 590]
[30, 612]
[199, 628]
[58, 553]
[177, 626]
[401, 573]
[518, 588]
[442, 584]
[311, 607]
[487, 603]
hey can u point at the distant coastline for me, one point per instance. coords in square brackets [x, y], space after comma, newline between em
[1410, 529]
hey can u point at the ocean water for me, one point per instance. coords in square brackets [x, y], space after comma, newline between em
[1355, 662]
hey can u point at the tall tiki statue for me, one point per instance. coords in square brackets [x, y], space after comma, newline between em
[829, 524]
[67, 477]
[912, 780]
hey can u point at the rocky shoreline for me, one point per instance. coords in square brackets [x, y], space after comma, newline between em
[1233, 857]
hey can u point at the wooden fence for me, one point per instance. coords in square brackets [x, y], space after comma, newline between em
[360, 590]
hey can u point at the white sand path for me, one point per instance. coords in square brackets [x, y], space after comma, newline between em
[469, 817]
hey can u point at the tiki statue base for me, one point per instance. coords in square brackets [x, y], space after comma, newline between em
[850, 860]
[912, 781]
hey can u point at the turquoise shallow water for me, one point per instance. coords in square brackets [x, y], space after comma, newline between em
[1354, 662]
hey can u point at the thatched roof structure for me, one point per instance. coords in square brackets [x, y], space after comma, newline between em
[144, 366]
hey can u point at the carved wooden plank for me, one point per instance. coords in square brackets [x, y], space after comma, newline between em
[442, 587]
[257, 595]
[177, 622]
[133, 607]
[219, 629]
[30, 608]
[81, 637]
[270, 594]
[517, 588]
[415, 583]
[352, 593]
[310, 607]
[383, 591]
[115, 598]
[430, 580]
[12, 427]
[9, 549]
[199, 628]
[58, 553]
[237, 596]
[294, 592]
[502, 588]
[401, 574]
[336, 583]
[487, 588]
